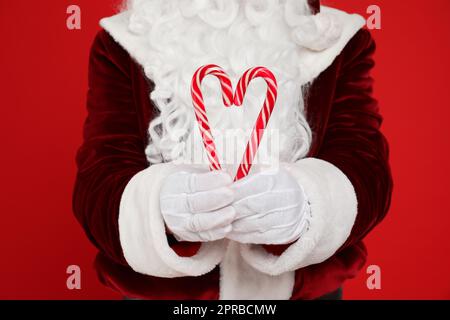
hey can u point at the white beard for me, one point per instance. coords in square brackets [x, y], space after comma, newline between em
[235, 34]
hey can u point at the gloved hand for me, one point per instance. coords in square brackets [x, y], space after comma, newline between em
[271, 208]
[196, 206]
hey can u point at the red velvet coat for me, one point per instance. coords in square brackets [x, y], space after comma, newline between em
[341, 112]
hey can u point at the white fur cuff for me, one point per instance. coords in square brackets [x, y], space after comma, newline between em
[333, 206]
[143, 234]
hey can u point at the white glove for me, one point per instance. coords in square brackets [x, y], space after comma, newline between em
[271, 208]
[196, 206]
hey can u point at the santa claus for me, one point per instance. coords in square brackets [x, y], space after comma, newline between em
[167, 227]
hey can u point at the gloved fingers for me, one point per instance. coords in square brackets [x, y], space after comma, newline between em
[176, 183]
[191, 182]
[276, 200]
[209, 180]
[204, 201]
[216, 234]
[263, 222]
[175, 205]
[277, 236]
[251, 237]
[253, 184]
[201, 222]
[204, 236]
[211, 200]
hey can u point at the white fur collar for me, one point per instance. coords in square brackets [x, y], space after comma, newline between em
[316, 61]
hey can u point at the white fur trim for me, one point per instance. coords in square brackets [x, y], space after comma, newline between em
[333, 206]
[318, 61]
[117, 27]
[143, 234]
[239, 281]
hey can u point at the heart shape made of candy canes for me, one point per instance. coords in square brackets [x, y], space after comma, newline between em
[229, 99]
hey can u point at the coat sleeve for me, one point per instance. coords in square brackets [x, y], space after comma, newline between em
[113, 147]
[348, 182]
[116, 194]
[353, 141]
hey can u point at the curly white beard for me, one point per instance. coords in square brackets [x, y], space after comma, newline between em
[236, 35]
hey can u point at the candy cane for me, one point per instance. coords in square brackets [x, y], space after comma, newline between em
[228, 100]
[200, 111]
[263, 117]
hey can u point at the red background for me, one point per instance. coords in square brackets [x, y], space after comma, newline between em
[43, 85]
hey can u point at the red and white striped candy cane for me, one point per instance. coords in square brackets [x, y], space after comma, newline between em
[263, 117]
[200, 111]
